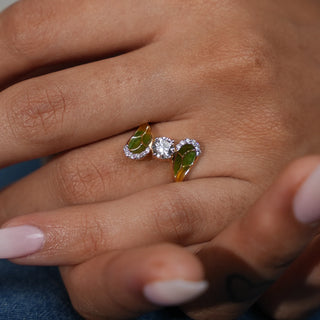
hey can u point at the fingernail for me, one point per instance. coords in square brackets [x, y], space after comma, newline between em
[173, 292]
[16, 242]
[306, 204]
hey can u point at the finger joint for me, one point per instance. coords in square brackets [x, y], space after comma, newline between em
[36, 114]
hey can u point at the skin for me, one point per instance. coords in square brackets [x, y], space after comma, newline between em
[240, 77]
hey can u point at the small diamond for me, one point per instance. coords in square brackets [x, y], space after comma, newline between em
[163, 148]
[135, 156]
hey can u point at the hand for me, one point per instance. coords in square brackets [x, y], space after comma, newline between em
[207, 71]
[240, 263]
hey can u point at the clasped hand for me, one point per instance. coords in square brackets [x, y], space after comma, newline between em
[242, 78]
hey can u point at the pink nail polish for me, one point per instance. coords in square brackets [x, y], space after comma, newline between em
[306, 204]
[20, 241]
[173, 292]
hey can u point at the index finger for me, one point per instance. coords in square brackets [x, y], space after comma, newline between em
[77, 106]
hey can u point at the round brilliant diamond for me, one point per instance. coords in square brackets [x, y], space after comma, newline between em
[163, 148]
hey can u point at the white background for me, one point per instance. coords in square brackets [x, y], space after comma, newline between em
[5, 3]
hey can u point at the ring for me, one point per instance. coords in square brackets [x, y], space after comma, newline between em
[183, 156]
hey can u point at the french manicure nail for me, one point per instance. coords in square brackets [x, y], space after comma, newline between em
[20, 241]
[306, 203]
[173, 292]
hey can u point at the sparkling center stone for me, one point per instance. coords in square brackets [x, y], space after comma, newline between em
[163, 148]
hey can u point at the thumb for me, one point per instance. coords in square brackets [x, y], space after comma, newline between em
[125, 284]
[251, 254]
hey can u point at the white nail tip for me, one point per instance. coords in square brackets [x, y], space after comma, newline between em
[306, 203]
[173, 292]
[20, 241]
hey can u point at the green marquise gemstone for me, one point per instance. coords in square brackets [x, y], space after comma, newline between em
[139, 133]
[147, 138]
[183, 160]
[185, 148]
[141, 140]
[189, 159]
[134, 143]
[140, 149]
[177, 160]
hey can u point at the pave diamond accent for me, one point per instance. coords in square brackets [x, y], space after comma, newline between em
[163, 148]
[189, 141]
[135, 156]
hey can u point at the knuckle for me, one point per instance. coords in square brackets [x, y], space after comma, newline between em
[94, 230]
[176, 217]
[246, 63]
[255, 62]
[36, 114]
[79, 178]
[25, 27]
